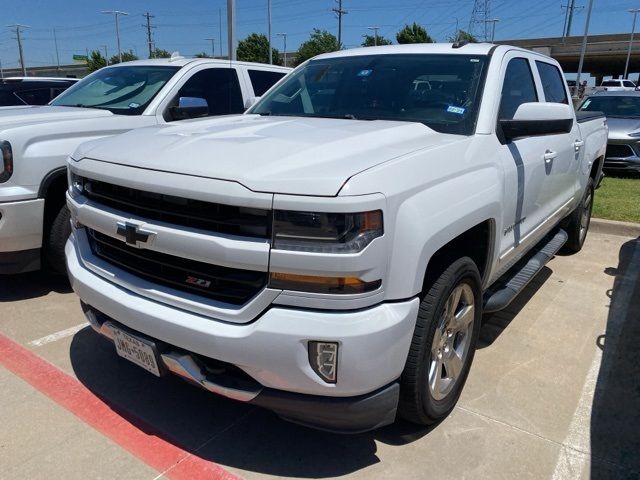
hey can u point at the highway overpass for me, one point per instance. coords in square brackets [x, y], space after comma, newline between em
[606, 54]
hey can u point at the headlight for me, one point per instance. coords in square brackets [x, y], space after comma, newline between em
[6, 166]
[325, 232]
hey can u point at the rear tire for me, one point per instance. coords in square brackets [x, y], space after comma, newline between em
[58, 235]
[447, 326]
[577, 223]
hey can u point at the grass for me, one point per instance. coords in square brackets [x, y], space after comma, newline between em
[618, 199]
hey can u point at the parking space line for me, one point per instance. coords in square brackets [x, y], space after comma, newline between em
[58, 335]
[134, 435]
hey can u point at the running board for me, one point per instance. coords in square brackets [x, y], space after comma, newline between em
[507, 287]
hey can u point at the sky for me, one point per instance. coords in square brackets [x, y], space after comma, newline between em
[183, 25]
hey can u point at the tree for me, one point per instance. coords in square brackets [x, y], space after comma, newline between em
[462, 36]
[201, 55]
[255, 48]
[413, 34]
[96, 61]
[370, 41]
[319, 42]
[160, 53]
[126, 57]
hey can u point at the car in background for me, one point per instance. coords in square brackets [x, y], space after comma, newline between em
[16, 91]
[617, 85]
[622, 110]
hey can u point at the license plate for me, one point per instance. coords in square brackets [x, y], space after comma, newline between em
[136, 350]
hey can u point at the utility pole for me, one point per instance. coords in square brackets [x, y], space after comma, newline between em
[116, 14]
[284, 52]
[231, 29]
[339, 11]
[18, 26]
[55, 41]
[480, 15]
[213, 46]
[375, 35]
[148, 16]
[106, 55]
[633, 31]
[584, 45]
[493, 22]
[269, 31]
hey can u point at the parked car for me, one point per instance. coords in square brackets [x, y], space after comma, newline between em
[329, 254]
[36, 141]
[623, 117]
[617, 85]
[16, 91]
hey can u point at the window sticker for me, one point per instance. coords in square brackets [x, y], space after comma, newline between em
[134, 105]
[456, 110]
[365, 73]
[585, 104]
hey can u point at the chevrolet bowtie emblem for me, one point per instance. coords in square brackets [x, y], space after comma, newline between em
[133, 234]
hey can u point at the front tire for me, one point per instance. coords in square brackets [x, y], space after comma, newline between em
[443, 344]
[577, 224]
[58, 235]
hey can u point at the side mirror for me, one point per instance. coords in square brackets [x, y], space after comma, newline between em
[190, 107]
[251, 101]
[535, 119]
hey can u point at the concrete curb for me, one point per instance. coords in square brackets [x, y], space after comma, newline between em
[612, 227]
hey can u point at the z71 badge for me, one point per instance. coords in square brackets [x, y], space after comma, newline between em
[198, 282]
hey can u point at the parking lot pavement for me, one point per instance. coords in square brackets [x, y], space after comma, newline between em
[554, 393]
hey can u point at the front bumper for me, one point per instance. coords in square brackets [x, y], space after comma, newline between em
[272, 350]
[20, 235]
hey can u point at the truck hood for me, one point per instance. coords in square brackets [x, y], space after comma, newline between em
[291, 155]
[11, 117]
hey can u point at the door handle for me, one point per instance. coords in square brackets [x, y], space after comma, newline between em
[578, 144]
[549, 156]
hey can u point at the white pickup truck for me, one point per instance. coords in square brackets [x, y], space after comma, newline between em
[329, 254]
[36, 141]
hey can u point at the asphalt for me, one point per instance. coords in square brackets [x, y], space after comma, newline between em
[554, 393]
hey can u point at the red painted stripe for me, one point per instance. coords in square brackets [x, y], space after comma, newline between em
[138, 439]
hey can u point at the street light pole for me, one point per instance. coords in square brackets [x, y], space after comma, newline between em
[284, 52]
[55, 40]
[106, 55]
[213, 46]
[633, 31]
[375, 35]
[231, 29]
[583, 51]
[116, 14]
[493, 22]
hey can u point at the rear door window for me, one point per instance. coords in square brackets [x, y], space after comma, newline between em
[552, 83]
[629, 83]
[263, 80]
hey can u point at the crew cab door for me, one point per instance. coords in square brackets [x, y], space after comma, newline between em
[528, 182]
[564, 149]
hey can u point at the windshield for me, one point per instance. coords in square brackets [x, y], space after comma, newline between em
[614, 106]
[440, 91]
[125, 90]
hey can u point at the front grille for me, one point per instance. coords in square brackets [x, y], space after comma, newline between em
[229, 285]
[619, 151]
[212, 217]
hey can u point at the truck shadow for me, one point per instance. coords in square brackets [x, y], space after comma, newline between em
[31, 285]
[220, 430]
[615, 415]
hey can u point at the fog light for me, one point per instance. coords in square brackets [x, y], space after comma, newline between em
[323, 357]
